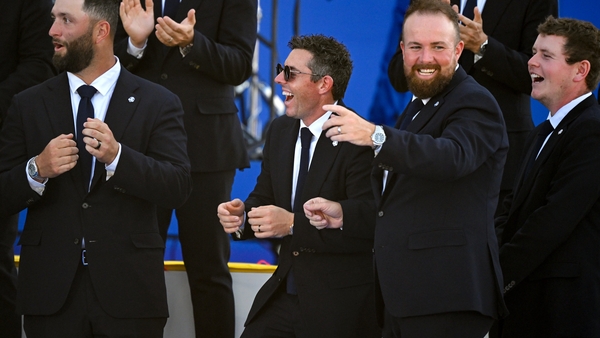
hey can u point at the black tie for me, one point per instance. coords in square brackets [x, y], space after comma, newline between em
[85, 110]
[305, 138]
[411, 110]
[544, 130]
[469, 10]
[171, 8]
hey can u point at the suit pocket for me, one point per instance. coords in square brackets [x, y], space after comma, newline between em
[31, 237]
[439, 238]
[148, 241]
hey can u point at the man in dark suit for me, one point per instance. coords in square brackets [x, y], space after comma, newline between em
[323, 285]
[92, 257]
[550, 228]
[436, 182]
[26, 56]
[498, 38]
[199, 52]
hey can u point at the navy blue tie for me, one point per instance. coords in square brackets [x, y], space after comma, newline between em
[85, 110]
[469, 10]
[411, 110]
[544, 130]
[305, 139]
[171, 8]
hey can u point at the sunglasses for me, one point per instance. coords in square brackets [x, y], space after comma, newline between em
[288, 73]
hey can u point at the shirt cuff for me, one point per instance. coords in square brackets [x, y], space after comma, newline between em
[133, 50]
[112, 167]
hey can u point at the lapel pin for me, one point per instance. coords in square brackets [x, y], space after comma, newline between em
[560, 132]
[334, 143]
[436, 104]
[131, 99]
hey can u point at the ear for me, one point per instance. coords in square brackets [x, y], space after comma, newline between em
[101, 31]
[326, 84]
[459, 48]
[582, 70]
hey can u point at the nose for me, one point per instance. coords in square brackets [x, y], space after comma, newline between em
[426, 55]
[533, 61]
[53, 29]
[279, 78]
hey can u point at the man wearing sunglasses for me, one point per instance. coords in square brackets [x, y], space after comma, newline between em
[323, 286]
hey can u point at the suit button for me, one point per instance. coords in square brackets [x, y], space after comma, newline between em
[163, 76]
[295, 253]
[85, 205]
[380, 214]
[76, 241]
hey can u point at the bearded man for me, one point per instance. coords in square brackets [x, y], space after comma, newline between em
[436, 178]
[91, 153]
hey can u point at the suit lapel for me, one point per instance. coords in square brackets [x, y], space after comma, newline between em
[122, 107]
[284, 164]
[322, 161]
[60, 114]
[547, 150]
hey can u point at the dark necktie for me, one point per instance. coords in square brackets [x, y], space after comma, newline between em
[411, 110]
[469, 10]
[85, 110]
[171, 8]
[544, 130]
[305, 138]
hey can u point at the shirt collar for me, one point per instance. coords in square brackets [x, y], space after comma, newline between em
[317, 127]
[564, 110]
[102, 83]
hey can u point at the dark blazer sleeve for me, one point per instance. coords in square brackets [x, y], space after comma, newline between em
[26, 47]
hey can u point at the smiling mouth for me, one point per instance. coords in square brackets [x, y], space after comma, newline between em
[288, 96]
[426, 72]
[536, 78]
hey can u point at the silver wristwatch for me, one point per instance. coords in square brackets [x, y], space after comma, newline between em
[378, 136]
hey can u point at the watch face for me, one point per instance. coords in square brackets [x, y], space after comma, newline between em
[378, 137]
[32, 170]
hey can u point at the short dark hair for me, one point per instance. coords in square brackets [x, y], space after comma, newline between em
[433, 7]
[582, 43]
[103, 10]
[329, 57]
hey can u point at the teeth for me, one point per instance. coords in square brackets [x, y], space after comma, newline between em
[427, 71]
[536, 78]
[285, 93]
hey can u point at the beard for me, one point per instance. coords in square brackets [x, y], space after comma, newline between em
[78, 54]
[424, 89]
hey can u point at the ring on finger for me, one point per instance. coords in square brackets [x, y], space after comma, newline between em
[170, 40]
[259, 228]
[99, 145]
[339, 129]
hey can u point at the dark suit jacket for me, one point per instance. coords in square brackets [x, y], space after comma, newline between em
[435, 246]
[333, 269]
[117, 217]
[224, 40]
[551, 230]
[27, 49]
[511, 26]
